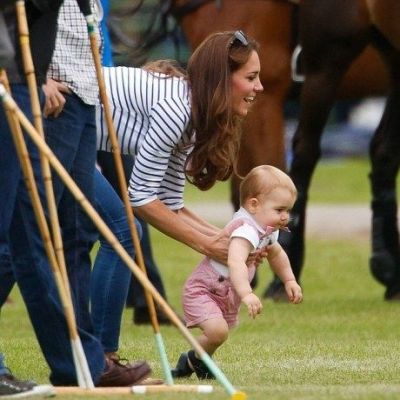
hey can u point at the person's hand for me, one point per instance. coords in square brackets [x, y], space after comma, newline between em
[293, 291]
[55, 99]
[257, 257]
[253, 303]
[217, 245]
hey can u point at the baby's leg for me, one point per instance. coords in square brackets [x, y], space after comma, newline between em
[214, 333]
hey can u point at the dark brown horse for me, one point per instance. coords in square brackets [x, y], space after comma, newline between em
[333, 33]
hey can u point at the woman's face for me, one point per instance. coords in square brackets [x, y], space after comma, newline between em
[245, 85]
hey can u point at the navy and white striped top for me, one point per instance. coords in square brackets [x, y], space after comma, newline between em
[151, 114]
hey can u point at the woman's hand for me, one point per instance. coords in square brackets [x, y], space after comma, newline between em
[257, 257]
[217, 248]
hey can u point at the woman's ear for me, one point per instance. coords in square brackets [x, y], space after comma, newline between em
[252, 204]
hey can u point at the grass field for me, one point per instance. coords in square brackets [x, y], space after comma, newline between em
[342, 342]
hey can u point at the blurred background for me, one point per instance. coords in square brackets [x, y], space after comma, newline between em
[139, 33]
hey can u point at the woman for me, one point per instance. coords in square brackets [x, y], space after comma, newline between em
[181, 125]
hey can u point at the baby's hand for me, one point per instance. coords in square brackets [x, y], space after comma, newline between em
[253, 304]
[293, 291]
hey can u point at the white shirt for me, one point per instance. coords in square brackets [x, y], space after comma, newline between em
[249, 230]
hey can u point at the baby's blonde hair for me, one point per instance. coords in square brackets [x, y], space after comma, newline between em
[262, 180]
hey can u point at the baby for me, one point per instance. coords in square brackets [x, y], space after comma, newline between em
[213, 293]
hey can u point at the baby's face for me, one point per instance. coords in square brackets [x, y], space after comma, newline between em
[274, 208]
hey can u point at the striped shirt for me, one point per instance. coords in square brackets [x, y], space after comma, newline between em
[151, 114]
[72, 62]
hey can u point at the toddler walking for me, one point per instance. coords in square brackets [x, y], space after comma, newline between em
[213, 292]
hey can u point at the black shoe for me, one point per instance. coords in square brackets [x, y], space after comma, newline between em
[182, 369]
[199, 367]
[11, 388]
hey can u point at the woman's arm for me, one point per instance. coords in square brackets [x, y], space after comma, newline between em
[174, 225]
[197, 222]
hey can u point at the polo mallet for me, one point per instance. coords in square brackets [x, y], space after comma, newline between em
[123, 186]
[80, 362]
[84, 380]
[10, 105]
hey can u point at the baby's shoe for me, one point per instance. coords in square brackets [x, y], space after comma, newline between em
[182, 368]
[199, 367]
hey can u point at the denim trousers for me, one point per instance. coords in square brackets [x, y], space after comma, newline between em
[136, 292]
[72, 137]
[110, 276]
[29, 261]
[3, 369]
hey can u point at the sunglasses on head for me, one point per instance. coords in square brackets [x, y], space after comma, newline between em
[239, 37]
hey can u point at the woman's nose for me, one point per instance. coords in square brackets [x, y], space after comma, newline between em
[259, 87]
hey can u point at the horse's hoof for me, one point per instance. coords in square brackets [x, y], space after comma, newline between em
[392, 296]
[383, 267]
[393, 291]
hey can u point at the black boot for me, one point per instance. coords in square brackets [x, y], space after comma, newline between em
[182, 369]
[199, 367]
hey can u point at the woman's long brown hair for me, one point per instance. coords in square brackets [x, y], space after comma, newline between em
[216, 128]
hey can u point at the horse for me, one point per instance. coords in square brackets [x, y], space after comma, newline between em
[273, 23]
[329, 46]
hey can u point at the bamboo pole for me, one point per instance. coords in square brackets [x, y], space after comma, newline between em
[124, 193]
[138, 389]
[38, 123]
[113, 241]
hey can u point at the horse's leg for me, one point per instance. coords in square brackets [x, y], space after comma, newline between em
[326, 59]
[317, 98]
[385, 160]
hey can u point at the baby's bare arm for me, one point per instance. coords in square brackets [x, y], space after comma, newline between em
[238, 252]
[280, 264]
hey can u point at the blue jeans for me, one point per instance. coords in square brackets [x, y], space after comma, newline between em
[110, 276]
[30, 264]
[3, 369]
[136, 292]
[72, 137]
[7, 277]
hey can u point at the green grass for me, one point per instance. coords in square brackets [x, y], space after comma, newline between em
[342, 342]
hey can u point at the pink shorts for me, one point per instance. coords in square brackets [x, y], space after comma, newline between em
[208, 295]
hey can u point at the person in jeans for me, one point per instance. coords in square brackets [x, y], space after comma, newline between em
[18, 223]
